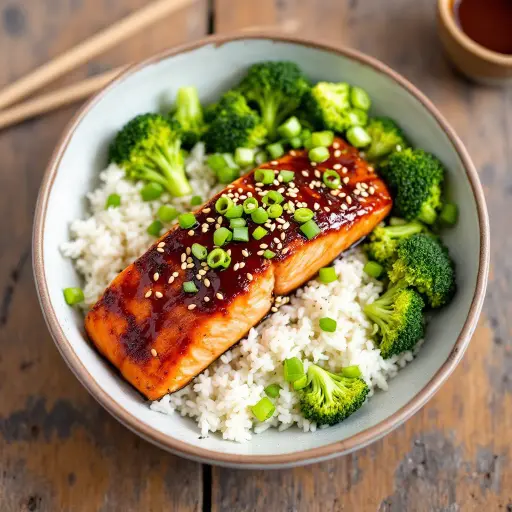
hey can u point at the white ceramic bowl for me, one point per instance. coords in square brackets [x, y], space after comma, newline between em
[213, 65]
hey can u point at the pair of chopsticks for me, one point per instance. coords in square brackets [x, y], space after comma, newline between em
[80, 54]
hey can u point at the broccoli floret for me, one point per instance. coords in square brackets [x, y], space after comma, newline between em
[398, 315]
[188, 113]
[328, 105]
[148, 148]
[233, 125]
[384, 241]
[329, 398]
[277, 88]
[415, 178]
[387, 137]
[424, 263]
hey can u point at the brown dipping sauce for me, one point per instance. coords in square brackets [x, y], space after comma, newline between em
[487, 22]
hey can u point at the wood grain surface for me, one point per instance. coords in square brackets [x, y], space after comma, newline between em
[59, 451]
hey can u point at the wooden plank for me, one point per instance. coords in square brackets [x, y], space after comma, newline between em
[59, 449]
[454, 454]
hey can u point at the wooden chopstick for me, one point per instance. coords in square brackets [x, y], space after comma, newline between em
[90, 48]
[81, 90]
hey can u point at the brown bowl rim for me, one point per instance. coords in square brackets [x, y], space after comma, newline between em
[448, 20]
[176, 446]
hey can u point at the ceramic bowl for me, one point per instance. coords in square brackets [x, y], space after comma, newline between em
[475, 61]
[213, 65]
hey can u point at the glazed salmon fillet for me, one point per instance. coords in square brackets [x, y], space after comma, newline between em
[160, 337]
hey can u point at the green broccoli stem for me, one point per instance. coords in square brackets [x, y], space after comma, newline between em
[170, 163]
[428, 214]
[380, 311]
[321, 379]
[404, 230]
[188, 106]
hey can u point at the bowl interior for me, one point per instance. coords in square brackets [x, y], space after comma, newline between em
[213, 68]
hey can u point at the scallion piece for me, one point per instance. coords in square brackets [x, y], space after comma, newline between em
[327, 275]
[358, 137]
[250, 204]
[222, 236]
[241, 234]
[265, 176]
[357, 117]
[295, 142]
[244, 156]
[328, 324]
[331, 179]
[268, 254]
[449, 214]
[264, 409]
[187, 220]
[275, 150]
[302, 215]
[234, 212]
[272, 390]
[290, 128]
[373, 269]
[223, 204]
[274, 211]
[216, 162]
[325, 138]
[217, 258]
[167, 213]
[310, 229]
[359, 98]
[155, 228]
[300, 383]
[196, 200]
[199, 251]
[190, 287]
[151, 191]
[259, 216]
[227, 175]
[237, 223]
[113, 200]
[293, 369]
[259, 233]
[351, 371]
[318, 154]
[273, 197]
[261, 157]
[73, 296]
[287, 176]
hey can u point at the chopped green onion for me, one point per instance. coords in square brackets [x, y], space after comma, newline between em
[237, 223]
[151, 191]
[187, 220]
[357, 117]
[216, 162]
[274, 211]
[272, 390]
[449, 214]
[244, 156]
[373, 269]
[217, 258]
[259, 233]
[351, 371]
[331, 179]
[328, 324]
[265, 176]
[223, 204]
[325, 138]
[287, 176]
[167, 213]
[264, 409]
[318, 154]
[306, 138]
[290, 128]
[310, 229]
[190, 287]
[260, 216]
[155, 228]
[73, 296]
[295, 142]
[273, 197]
[230, 161]
[250, 204]
[227, 175]
[222, 236]
[113, 200]
[360, 98]
[358, 137]
[196, 200]
[293, 369]
[327, 275]
[300, 383]
[234, 212]
[261, 157]
[275, 150]
[199, 251]
[241, 234]
[302, 215]
[268, 254]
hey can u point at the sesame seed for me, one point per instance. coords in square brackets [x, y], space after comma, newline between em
[317, 173]
[344, 206]
[159, 249]
[207, 210]
[183, 257]
[190, 265]
[349, 200]
[305, 174]
[335, 144]
[206, 282]
[202, 272]
[217, 226]
[190, 260]
[204, 230]
[276, 183]
[171, 280]
[219, 296]
[364, 185]
[188, 250]
[245, 252]
[313, 164]
[346, 179]
[285, 250]
[336, 167]
[207, 299]
[242, 264]
[158, 295]
[316, 206]
[210, 220]
[161, 244]
[276, 240]
[183, 266]
[273, 309]
[274, 162]
[191, 306]
[260, 253]
[191, 232]
[249, 194]
[293, 152]
[357, 192]
[219, 219]
[283, 236]
[371, 190]
[327, 209]
[364, 193]
[258, 185]
[228, 252]
[279, 246]
[342, 194]
[148, 294]
[249, 276]
[334, 192]
[156, 275]
[154, 353]
[263, 246]
[235, 267]
[337, 153]
[286, 225]
[199, 276]
[175, 274]
[272, 227]
[281, 190]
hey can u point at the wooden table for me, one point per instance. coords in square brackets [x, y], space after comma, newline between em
[60, 451]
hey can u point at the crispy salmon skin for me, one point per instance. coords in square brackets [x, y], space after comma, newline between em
[160, 337]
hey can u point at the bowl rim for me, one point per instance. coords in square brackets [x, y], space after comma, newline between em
[183, 448]
[445, 10]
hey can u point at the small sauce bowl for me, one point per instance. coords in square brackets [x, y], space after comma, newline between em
[473, 60]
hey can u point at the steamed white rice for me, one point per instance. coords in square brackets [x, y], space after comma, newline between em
[219, 399]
